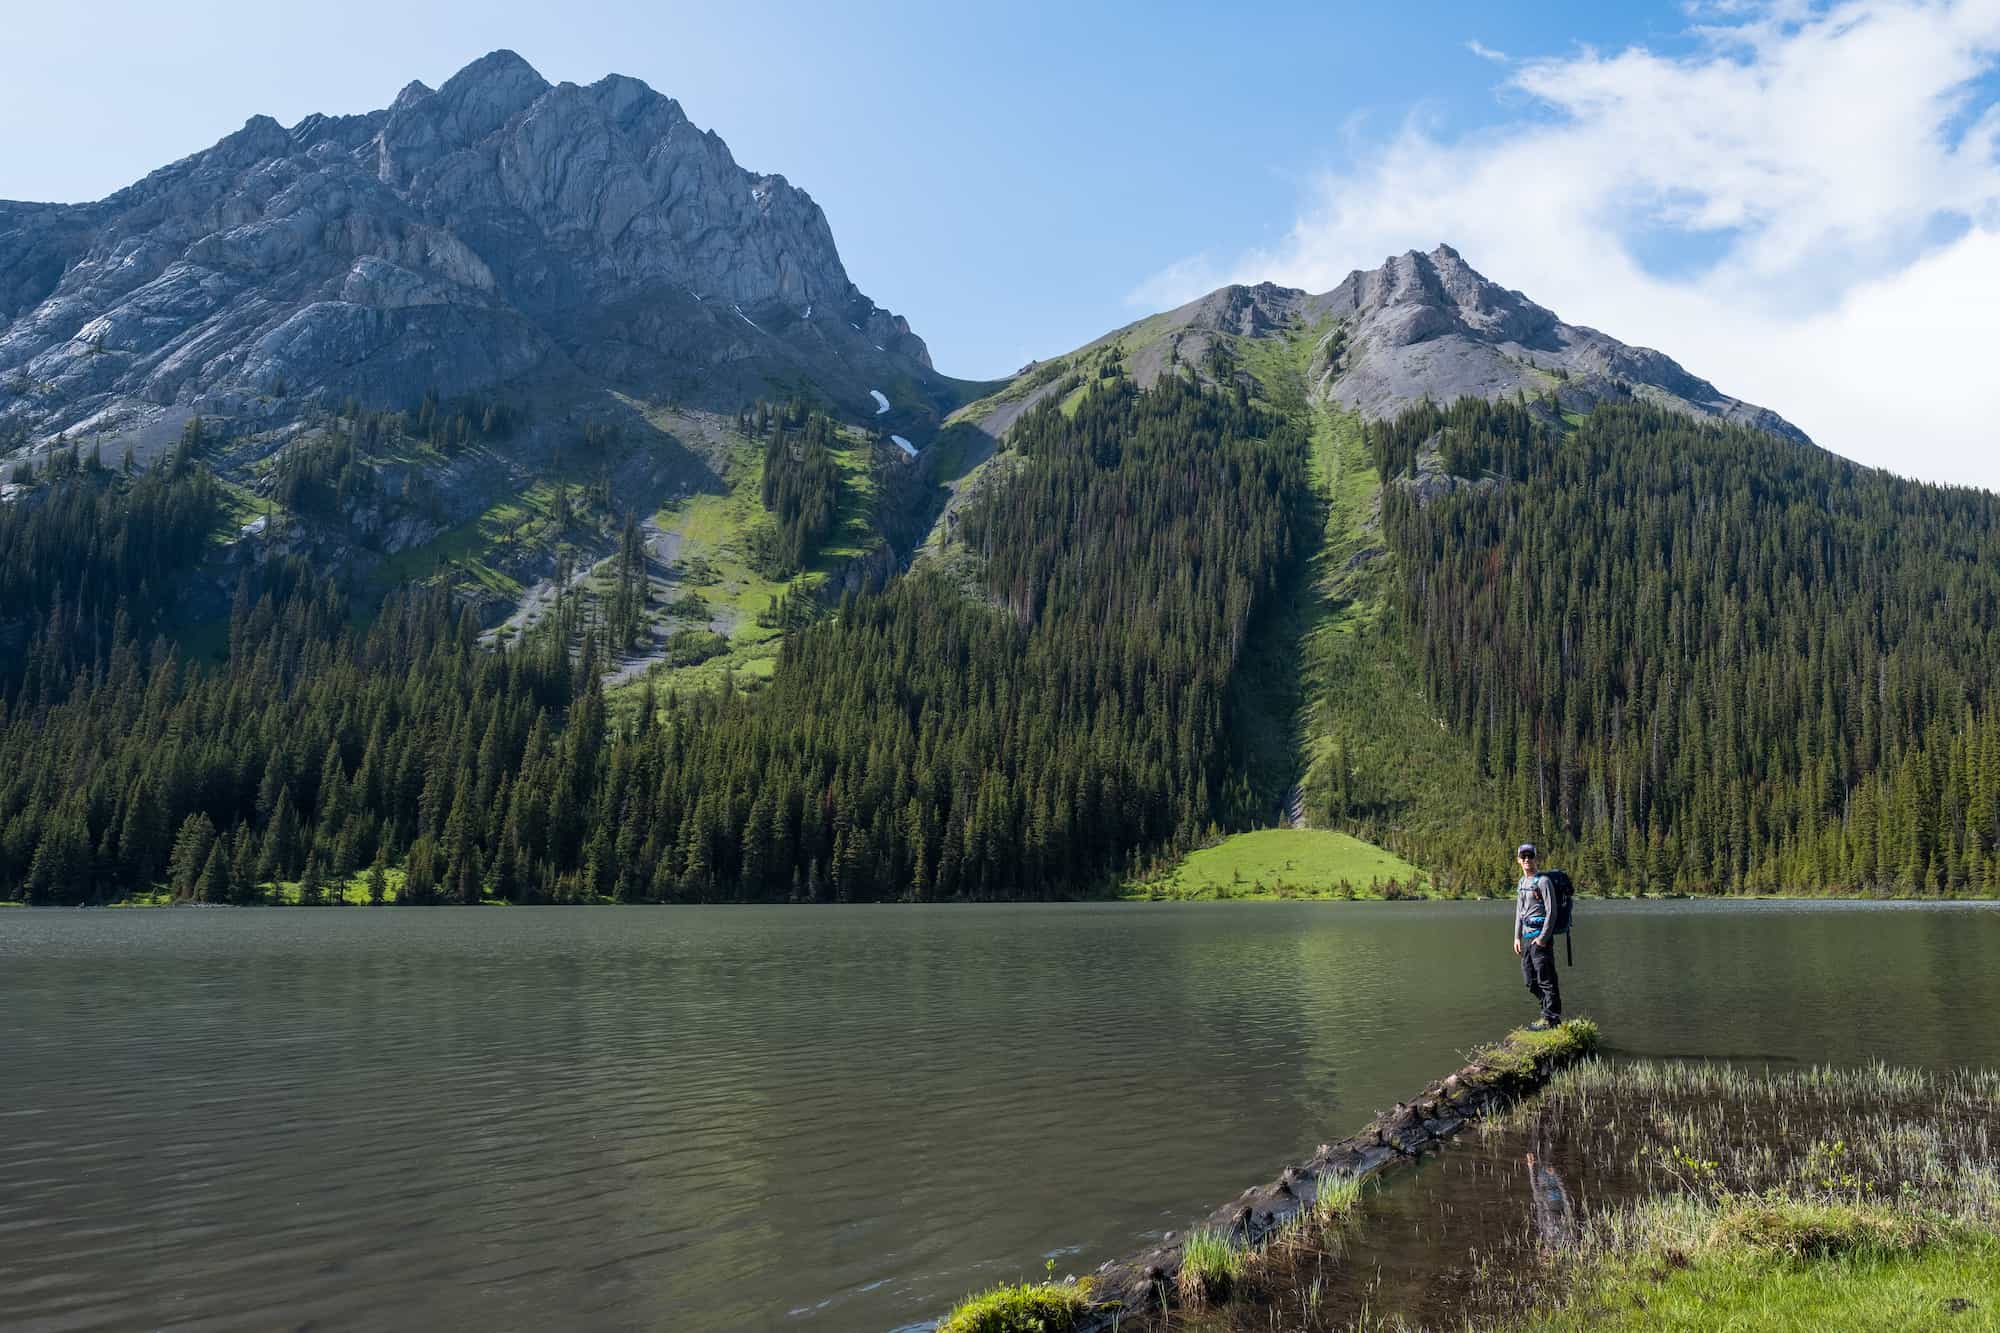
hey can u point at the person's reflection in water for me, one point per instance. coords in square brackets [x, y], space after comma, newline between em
[1555, 1216]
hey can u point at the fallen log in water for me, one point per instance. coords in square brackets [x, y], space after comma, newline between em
[1496, 1078]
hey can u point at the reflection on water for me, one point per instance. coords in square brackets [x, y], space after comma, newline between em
[822, 1118]
[1549, 1201]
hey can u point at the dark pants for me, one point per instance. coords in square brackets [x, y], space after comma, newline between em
[1538, 969]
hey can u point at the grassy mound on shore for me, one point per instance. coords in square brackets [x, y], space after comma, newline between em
[1287, 863]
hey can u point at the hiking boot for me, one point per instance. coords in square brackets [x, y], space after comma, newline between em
[1542, 1025]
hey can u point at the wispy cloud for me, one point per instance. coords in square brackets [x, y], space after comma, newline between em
[1836, 169]
[1182, 281]
[1485, 52]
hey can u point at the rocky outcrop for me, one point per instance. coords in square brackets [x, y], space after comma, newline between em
[498, 230]
[1430, 326]
[1429, 482]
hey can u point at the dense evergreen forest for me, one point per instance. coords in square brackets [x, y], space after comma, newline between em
[1688, 657]
[93, 557]
[801, 486]
[1704, 659]
[1029, 739]
[931, 741]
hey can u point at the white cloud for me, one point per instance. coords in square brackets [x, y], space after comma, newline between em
[1181, 281]
[1485, 52]
[1836, 165]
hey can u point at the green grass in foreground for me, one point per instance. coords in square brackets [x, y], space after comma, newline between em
[1283, 863]
[1807, 1199]
[1791, 1266]
[1028, 1307]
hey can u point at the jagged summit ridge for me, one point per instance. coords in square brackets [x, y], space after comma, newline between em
[497, 229]
[1430, 325]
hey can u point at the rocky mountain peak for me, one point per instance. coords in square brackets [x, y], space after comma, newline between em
[1432, 325]
[498, 230]
[1429, 325]
[472, 104]
[1414, 297]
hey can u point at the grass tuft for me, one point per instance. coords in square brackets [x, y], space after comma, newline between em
[1335, 1198]
[1801, 1230]
[1212, 1266]
[1021, 1307]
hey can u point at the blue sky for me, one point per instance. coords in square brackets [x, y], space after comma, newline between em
[1018, 179]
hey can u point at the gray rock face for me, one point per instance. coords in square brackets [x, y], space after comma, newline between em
[496, 231]
[1429, 325]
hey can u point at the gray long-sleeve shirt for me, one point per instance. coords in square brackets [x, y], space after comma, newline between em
[1533, 904]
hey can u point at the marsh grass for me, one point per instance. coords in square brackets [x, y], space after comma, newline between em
[1918, 1138]
[1775, 1262]
[1696, 1195]
[1940, 1287]
[1850, 1198]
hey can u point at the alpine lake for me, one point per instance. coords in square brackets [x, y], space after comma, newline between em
[810, 1118]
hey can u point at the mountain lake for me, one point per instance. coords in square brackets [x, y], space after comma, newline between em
[810, 1118]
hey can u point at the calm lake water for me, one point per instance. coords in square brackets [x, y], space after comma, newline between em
[794, 1118]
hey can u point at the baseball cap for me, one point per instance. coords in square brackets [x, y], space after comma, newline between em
[1525, 849]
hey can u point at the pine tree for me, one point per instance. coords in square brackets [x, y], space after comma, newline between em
[193, 845]
[213, 886]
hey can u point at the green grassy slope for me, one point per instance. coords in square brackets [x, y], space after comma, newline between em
[1284, 863]
[712, 534]
[1328, 711]
[1328, 721]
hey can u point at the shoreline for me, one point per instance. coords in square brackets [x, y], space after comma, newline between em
[1494, 1079]
[1667, 1194]
[160, 902]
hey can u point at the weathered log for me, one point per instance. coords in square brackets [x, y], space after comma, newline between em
[1495, 1079]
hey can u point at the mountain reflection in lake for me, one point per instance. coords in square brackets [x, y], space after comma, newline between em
[828, 1118]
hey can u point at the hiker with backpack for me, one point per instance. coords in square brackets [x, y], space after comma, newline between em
[1541, 912]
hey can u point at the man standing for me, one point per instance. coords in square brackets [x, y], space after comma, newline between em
[1534, 909]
